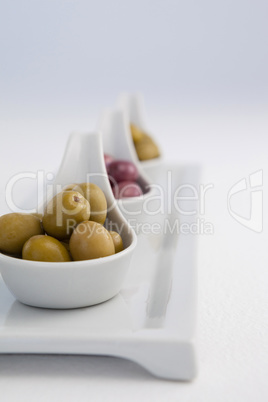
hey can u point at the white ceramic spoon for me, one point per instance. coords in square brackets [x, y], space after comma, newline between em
[134, 109]
[77, 283]
[141, 212]
[118, 143]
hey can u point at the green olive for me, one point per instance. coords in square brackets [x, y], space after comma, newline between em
[45, 248]
[90, 240]
[16, 229]
[96, 199]
[118, 242]
[136, 133]
[64, 212]
[39, 216]
[146, 148]
[65, 243]
[69, 187]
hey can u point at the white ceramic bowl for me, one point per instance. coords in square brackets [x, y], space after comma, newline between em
[77, 283]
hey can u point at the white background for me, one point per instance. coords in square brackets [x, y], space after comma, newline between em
[202, 67]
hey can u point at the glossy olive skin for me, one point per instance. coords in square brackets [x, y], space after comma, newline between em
[121, 170]
[16, 229]
[64, 212]
[96, 199]
[126, 189]
[91, 240]
[118, 242]
[45, 248]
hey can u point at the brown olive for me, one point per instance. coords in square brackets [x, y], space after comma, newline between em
[118, 242]
[64, 212]
[90, 240]
[45, 248]
[16, 229]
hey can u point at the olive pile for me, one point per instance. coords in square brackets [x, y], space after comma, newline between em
[145, 146]
[123, 177]
[70, 229]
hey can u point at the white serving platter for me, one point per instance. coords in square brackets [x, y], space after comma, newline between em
[151, 321]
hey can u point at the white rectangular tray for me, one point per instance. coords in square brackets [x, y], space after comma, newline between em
[151, 321]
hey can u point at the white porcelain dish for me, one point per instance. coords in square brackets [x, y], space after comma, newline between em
[117, 143]
[140, 212]
[151, 321]
[78, 283]
[133, 107]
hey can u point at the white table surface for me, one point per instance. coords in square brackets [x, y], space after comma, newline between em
[232, 267]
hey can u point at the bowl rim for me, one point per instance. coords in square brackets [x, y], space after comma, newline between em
[69, 264]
